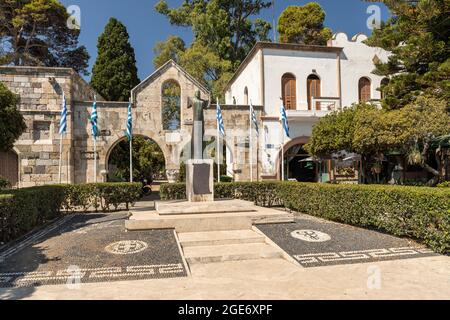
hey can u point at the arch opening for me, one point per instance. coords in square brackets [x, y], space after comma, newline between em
[299, 165]
[149, 163]
[171, 105]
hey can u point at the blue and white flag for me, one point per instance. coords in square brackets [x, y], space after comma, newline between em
[254, 119]
[94, 118]
[220, 125]
[129, 132]
[63, 121]
[284, 121]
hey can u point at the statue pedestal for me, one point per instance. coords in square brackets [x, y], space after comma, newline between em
[200, 180]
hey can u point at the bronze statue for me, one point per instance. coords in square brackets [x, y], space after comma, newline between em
[198, 129]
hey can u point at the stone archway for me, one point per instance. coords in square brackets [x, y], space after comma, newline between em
[124, 145]
[299, 141]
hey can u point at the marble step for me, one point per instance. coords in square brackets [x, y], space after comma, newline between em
[233, 252]
[213, 238]
[191, 223]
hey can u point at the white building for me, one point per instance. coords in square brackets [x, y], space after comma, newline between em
[311, 81]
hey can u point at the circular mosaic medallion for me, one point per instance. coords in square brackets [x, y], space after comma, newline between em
[126, 247]
[310, 236]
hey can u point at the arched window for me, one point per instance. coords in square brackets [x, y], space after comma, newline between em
[364, 90]
[246, 96]
[314, 90]
[171, 105]
[289, 91]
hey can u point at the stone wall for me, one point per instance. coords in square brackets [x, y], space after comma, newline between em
[41, 89]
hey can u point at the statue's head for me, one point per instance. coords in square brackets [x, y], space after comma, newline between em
[197, 94]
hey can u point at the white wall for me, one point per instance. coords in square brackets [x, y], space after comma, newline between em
[357, 62]
[301, 64]
[250, 77]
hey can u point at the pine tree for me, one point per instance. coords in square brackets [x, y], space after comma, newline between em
[115, 73]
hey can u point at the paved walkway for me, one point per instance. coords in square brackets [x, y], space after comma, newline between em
[326, 261]
[423, 278]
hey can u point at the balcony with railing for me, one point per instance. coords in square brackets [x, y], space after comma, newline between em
[320, 107]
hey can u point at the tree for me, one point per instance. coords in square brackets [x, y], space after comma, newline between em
[372, 132]
[418, 37]
[224, 33]
[12, 124]
[35, 33]
[114, 73]
[148, 160]
[171, 49]
[304, 25]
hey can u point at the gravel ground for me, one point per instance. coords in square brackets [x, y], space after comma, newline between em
[315, 242]
[92, 248]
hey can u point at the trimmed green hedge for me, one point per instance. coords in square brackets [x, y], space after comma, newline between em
[22, 210]
[417, 212]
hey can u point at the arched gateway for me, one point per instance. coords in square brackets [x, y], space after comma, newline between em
[41, 91]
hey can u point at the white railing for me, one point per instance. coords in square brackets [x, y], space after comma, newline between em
[320, 108]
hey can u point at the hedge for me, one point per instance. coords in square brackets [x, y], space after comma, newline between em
[22, 210]
[416, 212]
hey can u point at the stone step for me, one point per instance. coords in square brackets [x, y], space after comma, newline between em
[148, 220]
[213, 238]
[191, 223]
[233, 252]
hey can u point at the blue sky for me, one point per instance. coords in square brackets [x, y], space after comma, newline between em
[146, 27]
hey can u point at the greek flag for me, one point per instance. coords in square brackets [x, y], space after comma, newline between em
[129, 131]
[254, 119]
[94, 118]
[63, 121]
[284, 121]
[220, 125]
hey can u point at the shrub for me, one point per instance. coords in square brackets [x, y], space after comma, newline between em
[417, 212]
[4, 184]
[102, 196]
[23, 210]
[445, 184]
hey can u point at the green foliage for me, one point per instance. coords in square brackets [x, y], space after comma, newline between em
[23, 210]
[416, 212]
[4, 184]
[224, 33]
[171, 105]
[171, 49]
[372, 132]
[114, 73]
[104, 196]
[35, 32]
[148, 160]
[417, 34]
[445, 184]
[304, 25]
[12, 124]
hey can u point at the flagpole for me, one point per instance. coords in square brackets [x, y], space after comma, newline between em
[60, 157]
[62, 130]
[282, 151]
[251, 141]
[218, 144]
[95, 160]
[131, 160]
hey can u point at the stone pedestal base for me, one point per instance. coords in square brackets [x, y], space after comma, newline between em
[200, 180]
